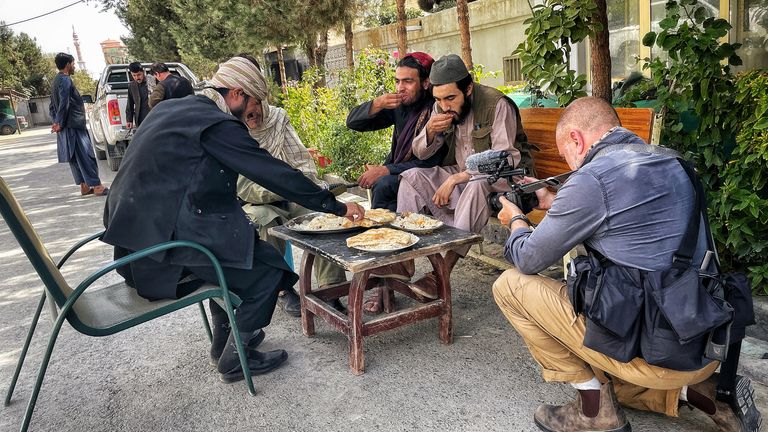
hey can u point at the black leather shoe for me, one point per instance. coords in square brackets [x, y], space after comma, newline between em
[336, 304]
[255, 341]
[291, 303]
[258, 362]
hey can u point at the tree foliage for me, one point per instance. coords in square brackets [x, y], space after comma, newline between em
[545, 54]
[23, 66]
[718, 122]
[150, 23]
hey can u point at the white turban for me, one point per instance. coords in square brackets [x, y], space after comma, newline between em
[239, 72]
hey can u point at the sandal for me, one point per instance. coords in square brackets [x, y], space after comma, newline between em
[373, 305]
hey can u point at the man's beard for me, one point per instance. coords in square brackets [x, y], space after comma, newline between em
[417, 99]
[239, 112]
[465, 107]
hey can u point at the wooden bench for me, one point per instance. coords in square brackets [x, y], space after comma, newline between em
[539, 125]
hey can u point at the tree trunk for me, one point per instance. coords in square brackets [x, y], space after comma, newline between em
[310, 49]
[348, 36]
[600, 55]
[462, 10]
[320, 53]
[402, 39]
[281, 66]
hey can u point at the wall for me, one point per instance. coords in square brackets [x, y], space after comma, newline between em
[41, 117]
[496, 28]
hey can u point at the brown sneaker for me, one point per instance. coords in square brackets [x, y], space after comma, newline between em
[739, 413]
[570, 417]
[402, 271]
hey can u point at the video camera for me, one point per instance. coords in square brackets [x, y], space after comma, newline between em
[496, 165]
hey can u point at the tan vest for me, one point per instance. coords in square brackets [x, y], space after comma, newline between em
[484, 100]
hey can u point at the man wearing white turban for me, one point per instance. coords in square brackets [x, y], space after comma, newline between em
[178, 182]
[274, 133]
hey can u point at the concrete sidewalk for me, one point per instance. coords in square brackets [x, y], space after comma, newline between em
[156, 376]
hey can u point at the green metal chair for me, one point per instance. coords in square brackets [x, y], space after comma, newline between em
[102, 311]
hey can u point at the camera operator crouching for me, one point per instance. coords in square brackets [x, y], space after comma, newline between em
[609, 332]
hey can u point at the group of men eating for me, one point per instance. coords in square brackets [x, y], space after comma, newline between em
[221, 167]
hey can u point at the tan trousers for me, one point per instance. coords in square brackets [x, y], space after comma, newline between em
[468, 207]
[539, 309]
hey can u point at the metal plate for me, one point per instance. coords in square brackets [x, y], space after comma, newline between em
[295, 223]
[417, 230]
[414, 240]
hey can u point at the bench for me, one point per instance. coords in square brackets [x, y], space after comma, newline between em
[539, 125]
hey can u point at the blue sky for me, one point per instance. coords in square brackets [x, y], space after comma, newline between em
[54, 32]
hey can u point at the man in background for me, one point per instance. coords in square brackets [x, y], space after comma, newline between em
[137, 106]
[169, 86]
[73, 143]
[272, 130]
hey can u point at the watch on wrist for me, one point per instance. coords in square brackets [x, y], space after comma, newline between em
[521, 217]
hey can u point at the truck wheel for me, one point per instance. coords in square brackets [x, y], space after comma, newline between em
[113, 161]
[100, 154]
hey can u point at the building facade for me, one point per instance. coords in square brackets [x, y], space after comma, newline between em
[497, 29]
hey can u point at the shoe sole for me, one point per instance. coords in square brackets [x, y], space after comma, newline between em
[233, 377]
[421, 293]
[253, 344]
[745, 408]
[391, 276]
[626, 428]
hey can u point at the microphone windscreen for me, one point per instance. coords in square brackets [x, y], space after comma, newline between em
[488, 156]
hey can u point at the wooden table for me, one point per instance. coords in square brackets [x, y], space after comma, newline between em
[333, 247]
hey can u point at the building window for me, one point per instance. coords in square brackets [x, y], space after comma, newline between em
[624, 31]
[750, 28]
[512, 72]
[33, 107]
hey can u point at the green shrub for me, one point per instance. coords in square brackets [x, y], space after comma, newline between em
[319, 113]
[739, 210]
[702, 115]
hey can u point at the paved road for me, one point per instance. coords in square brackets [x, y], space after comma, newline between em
[156, 376]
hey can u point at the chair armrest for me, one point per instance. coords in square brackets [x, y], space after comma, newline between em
[144, 253]
[77, 246]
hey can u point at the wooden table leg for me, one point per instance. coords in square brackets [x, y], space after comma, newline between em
[444, 293]
[388, 297]
[356, 355]
[305, 287]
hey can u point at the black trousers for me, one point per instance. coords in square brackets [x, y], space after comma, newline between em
[385, 192]
[257, 287]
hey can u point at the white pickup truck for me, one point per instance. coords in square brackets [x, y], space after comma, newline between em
[106, 116]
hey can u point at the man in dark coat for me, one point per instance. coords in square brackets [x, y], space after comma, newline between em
[137, 107]
[169, 86]
[73, 143]
[178, 182]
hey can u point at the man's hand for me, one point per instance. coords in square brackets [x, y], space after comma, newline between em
[354, 212]
[371, 175]
[545, 196]
[443, 194]
[438, 123]
[129, 125]
[385, 101]
[55, 127]
[509, 211]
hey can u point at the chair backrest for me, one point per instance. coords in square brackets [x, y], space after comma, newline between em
[540, 124]
[55, 285]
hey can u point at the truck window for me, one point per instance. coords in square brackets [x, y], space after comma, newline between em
[120, 76]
